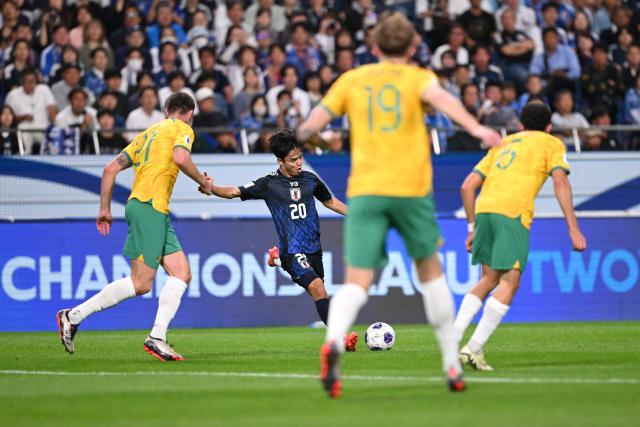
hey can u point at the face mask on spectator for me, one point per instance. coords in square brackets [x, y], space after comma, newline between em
[135, 64]
[260, 110]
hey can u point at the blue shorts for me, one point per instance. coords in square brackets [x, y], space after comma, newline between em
[303, 268]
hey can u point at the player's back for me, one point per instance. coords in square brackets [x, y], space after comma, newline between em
[151, 153]
[515, 172]
[389, 141]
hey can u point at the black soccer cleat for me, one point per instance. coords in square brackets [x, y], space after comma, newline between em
[329, 377]
[67, 330]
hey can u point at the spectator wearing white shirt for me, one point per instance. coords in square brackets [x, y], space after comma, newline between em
[146, 115]
[290, 83]
[77, 113]
[34, 106]
[566, 118]
[456, 45]
[278, 17]
[177, 83]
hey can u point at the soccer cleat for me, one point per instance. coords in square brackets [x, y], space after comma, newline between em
[455, 381]
[67, 330]
[350, 341]
[475, 360]
[161, 350]
[329, 377]
[274, 257]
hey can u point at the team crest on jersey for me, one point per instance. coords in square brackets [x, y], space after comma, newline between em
[296, 194]
[187, 140]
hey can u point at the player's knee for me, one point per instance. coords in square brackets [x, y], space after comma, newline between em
[317, 290]
[142, 286]
[185, 276]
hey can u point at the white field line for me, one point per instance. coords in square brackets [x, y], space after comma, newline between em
[282, 375]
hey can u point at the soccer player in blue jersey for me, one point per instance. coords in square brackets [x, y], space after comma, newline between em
[289, 193]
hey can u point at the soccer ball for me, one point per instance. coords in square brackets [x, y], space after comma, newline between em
[380, 336]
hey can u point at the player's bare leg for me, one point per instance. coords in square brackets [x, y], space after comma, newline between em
[318, 293]
[177, 266]
[343, 311]
[138, 283]
[473, 300]
[495, 309]
[440, 310]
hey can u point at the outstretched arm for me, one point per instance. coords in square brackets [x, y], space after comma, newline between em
[336, 206]
[562, 189]
[183, 159]
[452, 108]
[226, 192]
[468, 192]
[308, 130]
[109, 173]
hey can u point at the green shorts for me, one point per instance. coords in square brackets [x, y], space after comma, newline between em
[150, 235]
[500, 242]
[371, 217]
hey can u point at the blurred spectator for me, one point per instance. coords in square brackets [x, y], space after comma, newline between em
[108, 100]
[326, 35]
[495, 110]
[291, 8]
[584, 49]
[207, 57]
[344, 61]
[11, 17]
[624, 39]
[143, 79]
[461, 140]
[479, 24]
[364, 53]
[135, 39]
[316, 10]
[598, 140]
[134, 63]
[434, 119]
[525, 18]
[176, 82]
[566, 119]
[209, 117]
[192, 8]
[52, 54]
[459, 77]
[481, 71]
[510, 95]
[236, 37]
[631, 67]
[515, 49]
[361, 15]
[272, 74]
[83, 17]
[21, 58]
[8, 135]
[278, 18]
[564, 12]
[436, 20]
[168, 62]
[558, 65]
[327, 76]
[632, 103]
[264, 40]
[70, 56]
[77, 113]
[234, 16]
[164, 19]
[94, 37]
[290, 84]
[251, 88]
[113, 82]
[455, 44]
[247, 57]
[258, 121]
[580, 26]
[263, 21]
[109, 141]
[289, 114]
[94, 78]
[146, 115]
[601, 83]
[533, 89]
[313, 86]
[621, 18]
[71, 78]
[34, 107]
[208, 80]
[131, 19]
[550, 20]
[300, 52]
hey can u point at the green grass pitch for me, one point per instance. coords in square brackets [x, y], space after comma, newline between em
[562, 374]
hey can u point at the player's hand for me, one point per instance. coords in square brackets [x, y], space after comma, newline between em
[578, 240]
[468, 242]
[489, 137]
[208, 186]
[103, 222]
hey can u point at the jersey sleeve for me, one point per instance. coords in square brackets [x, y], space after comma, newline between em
[321, 192]
[130, 150]
[557, 157]
[254, 190]
[335, 100]
[426, 79]
[184, 137]
[483, 167]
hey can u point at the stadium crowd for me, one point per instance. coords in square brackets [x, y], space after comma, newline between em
[105, 64]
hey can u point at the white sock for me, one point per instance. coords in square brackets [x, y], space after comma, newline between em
[343, 310]
[440, 309]
[168, 304]
[110, 295]
[469, 307]
[493, 313]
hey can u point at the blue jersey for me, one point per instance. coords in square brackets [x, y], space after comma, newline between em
[293, 208]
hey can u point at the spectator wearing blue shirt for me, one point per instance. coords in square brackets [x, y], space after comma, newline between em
[364, 53]
[300, 53]
[436, 119]
[632, 104]
[533, 90]
[565, 12]
[481, 71]
[52, 54]
[94, 79]
[164, 18]
[558, 65]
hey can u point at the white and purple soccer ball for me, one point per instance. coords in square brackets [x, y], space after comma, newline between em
[380, 336]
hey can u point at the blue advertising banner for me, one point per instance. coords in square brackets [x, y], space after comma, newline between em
[45, 266]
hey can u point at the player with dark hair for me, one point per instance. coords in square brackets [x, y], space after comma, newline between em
[289, 193]
[157, 156]
[510, 176]
[390, 185]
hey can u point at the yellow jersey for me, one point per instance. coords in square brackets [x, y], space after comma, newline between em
[514, 173]
[151, 153]
[390, 152]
